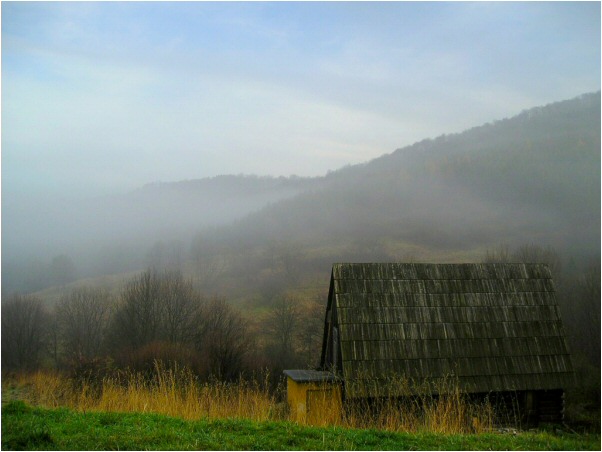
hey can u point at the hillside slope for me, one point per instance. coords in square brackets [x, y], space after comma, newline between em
[531, 178]
[113, 234]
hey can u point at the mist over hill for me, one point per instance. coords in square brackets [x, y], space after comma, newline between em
[113, 234]
[532, 178]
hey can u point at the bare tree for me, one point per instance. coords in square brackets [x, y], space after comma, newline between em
[82, 318]
[137, 319]
[311, 331]
[180, 309]
[24, 321]
[281, 325]
[224, 340]
[157, 307]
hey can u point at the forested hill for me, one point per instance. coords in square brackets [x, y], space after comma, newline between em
[523, 189]
[532, 178]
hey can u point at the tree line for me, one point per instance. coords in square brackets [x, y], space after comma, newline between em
[158, 315]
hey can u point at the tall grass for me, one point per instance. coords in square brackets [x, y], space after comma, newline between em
[403, 406]
[177, 392]
[173, 392]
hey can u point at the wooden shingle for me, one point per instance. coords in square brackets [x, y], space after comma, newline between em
[494, 326]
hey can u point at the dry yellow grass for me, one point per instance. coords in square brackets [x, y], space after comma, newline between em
[173, 392]
[176, 392]
[436, 407]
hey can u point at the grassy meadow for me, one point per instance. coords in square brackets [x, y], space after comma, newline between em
[28, 428]
[171, 409]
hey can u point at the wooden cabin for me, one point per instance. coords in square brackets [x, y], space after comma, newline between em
[494, 327]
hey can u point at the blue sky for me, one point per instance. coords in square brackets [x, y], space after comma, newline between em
[105, 97]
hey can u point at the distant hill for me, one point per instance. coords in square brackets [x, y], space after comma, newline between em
[112, 234]
[531, 178]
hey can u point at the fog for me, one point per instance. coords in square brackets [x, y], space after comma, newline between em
[104, 98]
[96, 231]
[126, 129]
[178, 178]
[533, 178]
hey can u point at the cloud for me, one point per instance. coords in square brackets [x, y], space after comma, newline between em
[112, 96]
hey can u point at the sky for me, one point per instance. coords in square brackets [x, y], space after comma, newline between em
[102, 98]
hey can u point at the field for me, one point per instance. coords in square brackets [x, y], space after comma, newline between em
[45, 411]
[28, 428]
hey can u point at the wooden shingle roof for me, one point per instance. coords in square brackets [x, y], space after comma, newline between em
[496, 327]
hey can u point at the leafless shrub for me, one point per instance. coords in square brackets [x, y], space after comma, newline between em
[82, 318]
[223, 340]
[24, 330]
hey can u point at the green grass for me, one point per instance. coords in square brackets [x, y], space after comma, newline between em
[29, 428]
